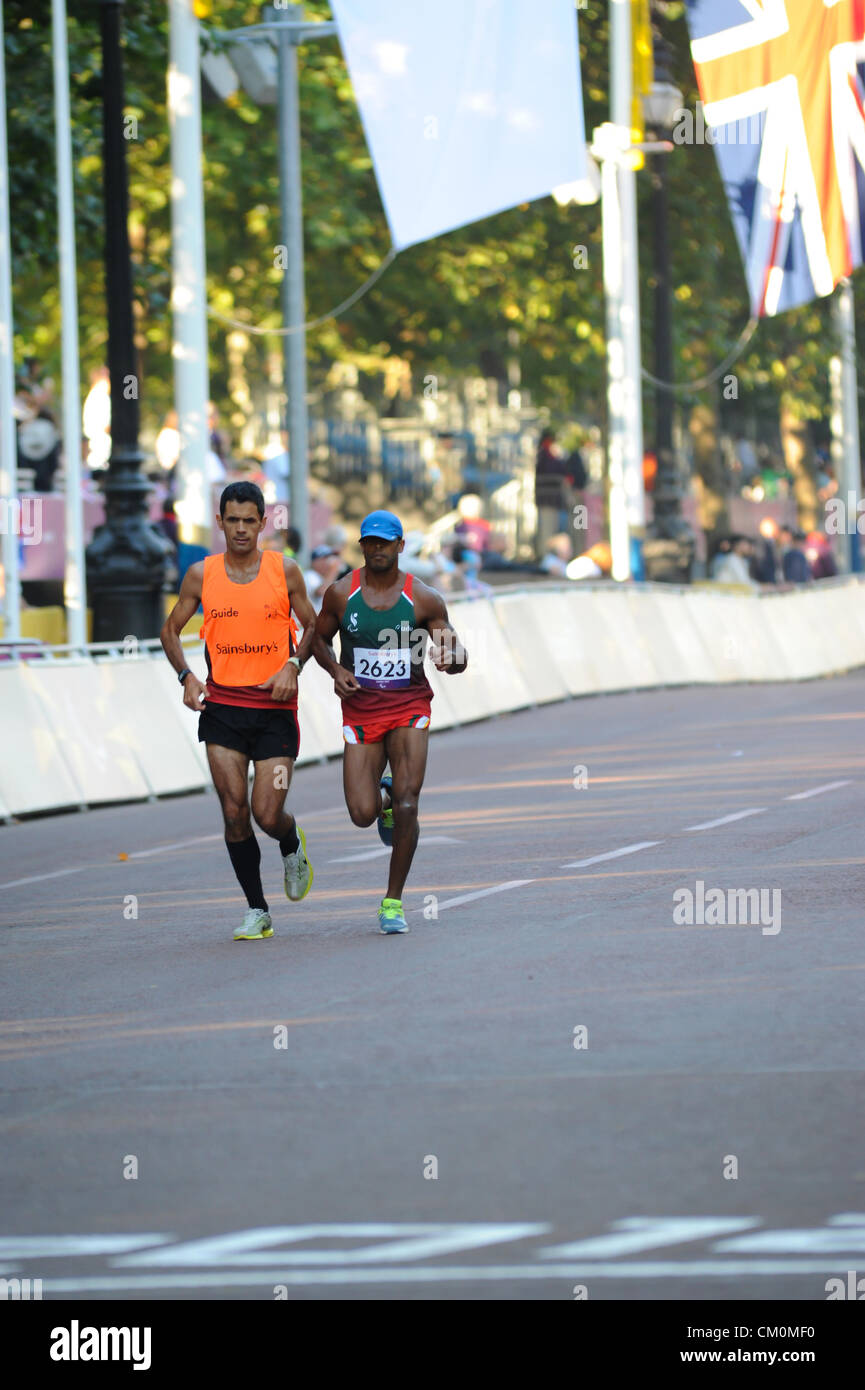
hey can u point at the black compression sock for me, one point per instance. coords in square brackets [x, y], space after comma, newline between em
[291, 843]
[245, 857]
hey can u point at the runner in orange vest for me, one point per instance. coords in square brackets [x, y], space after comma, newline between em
[248, 706]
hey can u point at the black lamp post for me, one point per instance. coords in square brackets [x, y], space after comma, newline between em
[126, 559]
[668, 551]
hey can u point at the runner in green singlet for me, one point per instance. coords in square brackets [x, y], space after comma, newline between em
[384, 618]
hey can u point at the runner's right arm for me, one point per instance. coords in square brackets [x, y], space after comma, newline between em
[326, 628]
[194, 693]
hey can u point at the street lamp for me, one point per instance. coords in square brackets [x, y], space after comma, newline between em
[669, 548]
[127, 557]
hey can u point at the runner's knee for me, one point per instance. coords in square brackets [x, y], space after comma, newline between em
[268, 818]
[405, 806]
[362, 813]
[238, 825]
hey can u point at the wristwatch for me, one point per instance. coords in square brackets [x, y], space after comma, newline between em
[187, 671]
[296, 661]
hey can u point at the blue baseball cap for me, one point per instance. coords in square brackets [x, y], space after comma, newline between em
[384, 525]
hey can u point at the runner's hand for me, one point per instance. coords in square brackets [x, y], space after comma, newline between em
[194, 693]
[282, 686]
[344, 684]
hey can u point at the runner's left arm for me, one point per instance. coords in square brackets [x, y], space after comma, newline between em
[449, 654]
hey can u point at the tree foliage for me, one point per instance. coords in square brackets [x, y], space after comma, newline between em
[444, 307]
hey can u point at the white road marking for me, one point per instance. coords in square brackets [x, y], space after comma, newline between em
[635, 1234]
[56, 873]
[483, 893]
[818, 791]
[612, 854]
[178, 844]
[55, 1247]
[385, 849]
[725, 820]
[438, 1274]
[401, 1242]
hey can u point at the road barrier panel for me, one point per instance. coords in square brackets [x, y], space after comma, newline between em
[525, 627]
[103, 727]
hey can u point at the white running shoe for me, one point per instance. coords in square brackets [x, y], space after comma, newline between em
[255, 924]
[298, 871]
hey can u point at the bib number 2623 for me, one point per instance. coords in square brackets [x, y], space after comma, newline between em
[382, 669]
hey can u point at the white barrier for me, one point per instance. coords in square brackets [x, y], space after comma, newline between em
[688, 658]
[34, 771]
[319, 715]
[531, 642]
[83, 731]
[86, 714]
[622, 658]
[491, 684]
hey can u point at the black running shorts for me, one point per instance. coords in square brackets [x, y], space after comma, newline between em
[257, 733]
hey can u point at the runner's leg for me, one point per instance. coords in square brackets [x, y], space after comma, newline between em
[362, 766]
[230, 771]
[407, 752]
[269, 790]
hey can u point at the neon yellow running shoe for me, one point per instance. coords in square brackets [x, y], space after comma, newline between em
[255, 924]
[391, 918]
[298, 871]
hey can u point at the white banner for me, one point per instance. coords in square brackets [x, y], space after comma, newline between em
[469, 106]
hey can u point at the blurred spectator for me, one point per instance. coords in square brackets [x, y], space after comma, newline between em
[554, 478]
[216, 438]
[494, 557]
[818, 553]
[746, 456]
[471, 528]
[336, 536]
[794, 565]
[39, 449]
[167, 523]
[96, 419]
[413, 561]
[734, 566]
[467, 563]
[558, 554]
[325, 566]
[167, 447]
[827, 483]
[34, 392]
[721, 551]
[214, 468]
[766, 558]
[292, 542]
[650, 470]
[595, 563]
[276, 466]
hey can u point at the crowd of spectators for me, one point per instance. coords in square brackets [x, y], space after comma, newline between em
[780, 554]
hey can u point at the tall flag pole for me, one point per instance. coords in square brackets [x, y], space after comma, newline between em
[74, 586]
[188, 267]
[626, 417]
[846, 424]
[9, 504]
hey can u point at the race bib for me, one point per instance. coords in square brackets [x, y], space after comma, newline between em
[387, 669]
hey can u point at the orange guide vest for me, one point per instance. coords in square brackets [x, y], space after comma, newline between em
[248, 630]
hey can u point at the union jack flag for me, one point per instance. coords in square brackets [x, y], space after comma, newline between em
[794, 70]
